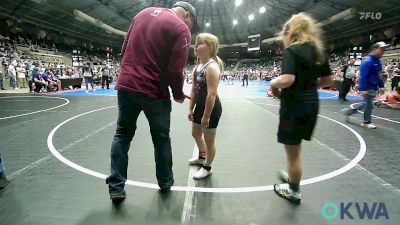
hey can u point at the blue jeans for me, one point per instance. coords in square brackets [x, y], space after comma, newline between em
[367, 105]
[13, 82]
[158, 113]
[1, 83]
[89, 80]
[1, 165]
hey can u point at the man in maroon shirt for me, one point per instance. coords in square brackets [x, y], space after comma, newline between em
[155, 52]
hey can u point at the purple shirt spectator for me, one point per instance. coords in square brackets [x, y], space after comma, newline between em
[46, 77]
[37, 76]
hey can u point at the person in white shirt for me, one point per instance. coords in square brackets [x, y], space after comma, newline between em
[1, 73]
[12, 73]
[88, 75]
[21, 76]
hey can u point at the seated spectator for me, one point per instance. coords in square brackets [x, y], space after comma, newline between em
[39, 82]
[52, 83]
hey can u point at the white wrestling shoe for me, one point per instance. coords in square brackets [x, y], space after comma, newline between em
[196, 161]
[368, 125]
[202, 173]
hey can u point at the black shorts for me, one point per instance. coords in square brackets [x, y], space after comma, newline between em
[214, 117]
[297, 124]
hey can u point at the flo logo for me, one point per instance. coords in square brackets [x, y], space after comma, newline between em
[370, 15]
[352, 210]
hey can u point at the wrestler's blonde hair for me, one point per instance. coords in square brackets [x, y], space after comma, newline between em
[212, 41]
[302, 28]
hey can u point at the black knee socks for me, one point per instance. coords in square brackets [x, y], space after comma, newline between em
[208, 168]
[294, 187]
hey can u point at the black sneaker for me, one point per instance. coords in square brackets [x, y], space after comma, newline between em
[3, 181]
[167, 188]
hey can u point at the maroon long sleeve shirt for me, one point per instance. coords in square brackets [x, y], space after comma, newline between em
[155, 52]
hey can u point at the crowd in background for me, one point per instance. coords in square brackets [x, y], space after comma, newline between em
[268, 69]
[390, 74]
[24, 71]
[252, 70]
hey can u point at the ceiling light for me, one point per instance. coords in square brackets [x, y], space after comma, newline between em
[238, 2]
[235, 22]
[262, 10]
[251, 17]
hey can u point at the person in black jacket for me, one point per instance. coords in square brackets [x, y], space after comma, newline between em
[349, 74]
[105, 78]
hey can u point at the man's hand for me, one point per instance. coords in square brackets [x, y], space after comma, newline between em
[205, 122]
[190, 116]
[182, 99]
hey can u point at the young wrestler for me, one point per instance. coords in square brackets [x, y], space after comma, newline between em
[205, 107]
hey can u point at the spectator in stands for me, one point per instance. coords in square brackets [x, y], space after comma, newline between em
[76, 73]
[389, 69]
[12, 73]
[245, 78]
[349, 75]
[21, 75]
[88, 75]
[385, 73]
[52, 84]
[3, 179]
[42, 69]
[230, 78]
[38, 81]
[370, 83]
[395, 77]
[31, 69]
[95, 69]
[1, 74]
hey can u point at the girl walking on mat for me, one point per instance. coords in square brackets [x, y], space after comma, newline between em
[304, 69]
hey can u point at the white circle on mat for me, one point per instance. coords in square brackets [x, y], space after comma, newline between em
[313, 180]
[378, 117]
[39, 111]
